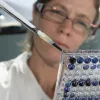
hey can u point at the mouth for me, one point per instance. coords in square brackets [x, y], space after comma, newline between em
[62, 45]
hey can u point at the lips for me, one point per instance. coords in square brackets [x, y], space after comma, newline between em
[62, 45]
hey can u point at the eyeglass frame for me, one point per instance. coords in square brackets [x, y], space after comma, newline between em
[40, 7]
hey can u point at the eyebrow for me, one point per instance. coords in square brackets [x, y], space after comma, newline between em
[61, 6]
[83, 16]
[66, 10]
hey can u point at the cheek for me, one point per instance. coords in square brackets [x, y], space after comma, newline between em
[76, 43]
[79, 41]
[46, 51]
[48, 27]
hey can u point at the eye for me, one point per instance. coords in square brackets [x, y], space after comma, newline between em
[81, 23]
[58, 12]
[80, 26]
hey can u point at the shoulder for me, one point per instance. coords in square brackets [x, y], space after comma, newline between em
[5, 72]
[9, 69]
[7, 65]
[4, 78]
[9, 73]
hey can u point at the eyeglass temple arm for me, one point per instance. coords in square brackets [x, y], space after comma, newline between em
[96, 27]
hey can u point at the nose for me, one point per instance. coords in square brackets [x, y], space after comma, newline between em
[66, 27]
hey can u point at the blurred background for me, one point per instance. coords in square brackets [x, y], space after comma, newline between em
[12, 33]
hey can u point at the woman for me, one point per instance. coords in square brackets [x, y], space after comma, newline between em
[32, 75]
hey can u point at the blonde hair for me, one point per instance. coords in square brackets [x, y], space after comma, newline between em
[28, 43]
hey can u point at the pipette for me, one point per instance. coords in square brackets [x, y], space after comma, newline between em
[27, 24]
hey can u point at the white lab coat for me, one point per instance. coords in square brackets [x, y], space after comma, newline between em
[17, 81]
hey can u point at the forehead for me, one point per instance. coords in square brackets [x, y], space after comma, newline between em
[84, 7]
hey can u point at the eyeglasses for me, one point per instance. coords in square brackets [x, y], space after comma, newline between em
[56, 15]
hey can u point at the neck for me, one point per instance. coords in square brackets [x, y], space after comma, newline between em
[45, 73]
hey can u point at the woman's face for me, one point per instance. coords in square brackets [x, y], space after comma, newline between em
[63, 34]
